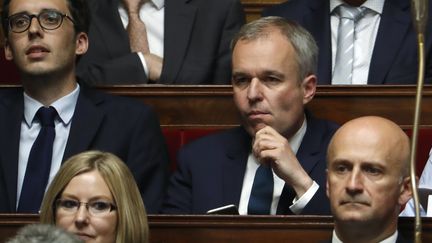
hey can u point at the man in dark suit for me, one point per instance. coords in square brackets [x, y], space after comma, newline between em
[278, 144]
[187, 42]
[385, 49]
[368, 180]
[44, 38]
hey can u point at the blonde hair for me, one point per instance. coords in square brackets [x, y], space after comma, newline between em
[132, 223]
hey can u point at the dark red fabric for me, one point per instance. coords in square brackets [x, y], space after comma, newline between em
[8, 71]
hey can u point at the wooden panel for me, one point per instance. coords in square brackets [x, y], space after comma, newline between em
[213, 106]
[183, 106]
[215, 229]
[253, 8]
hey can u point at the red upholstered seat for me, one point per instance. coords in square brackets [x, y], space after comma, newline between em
[8, 71]
[176, 138]
[424, 145]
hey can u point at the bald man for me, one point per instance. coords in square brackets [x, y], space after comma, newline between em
[367, 180]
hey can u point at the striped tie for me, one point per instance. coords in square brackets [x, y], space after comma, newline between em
[348, 16]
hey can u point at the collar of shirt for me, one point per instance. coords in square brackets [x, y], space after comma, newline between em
[375, 5]
[253, 164]
[64, 106]
[390, 239]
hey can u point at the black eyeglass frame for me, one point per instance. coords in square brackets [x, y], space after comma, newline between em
[37, 16]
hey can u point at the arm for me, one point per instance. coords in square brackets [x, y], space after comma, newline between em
[235, 18]
[94, 68]
[178, 199]
[271, 147]
[148, 160]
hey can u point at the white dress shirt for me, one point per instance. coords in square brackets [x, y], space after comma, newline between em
[252, 166]
[424, 182]
[30, 128]
[152, 13]
[390, 239]
[364, 39]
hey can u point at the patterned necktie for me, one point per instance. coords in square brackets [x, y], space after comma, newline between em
[136, 28]
[39, 163]
[348, 16]
[262, 191]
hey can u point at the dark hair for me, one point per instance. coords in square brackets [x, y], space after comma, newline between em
[78, 9]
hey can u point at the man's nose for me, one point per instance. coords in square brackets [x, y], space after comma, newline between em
[355, 182]
[254, 90]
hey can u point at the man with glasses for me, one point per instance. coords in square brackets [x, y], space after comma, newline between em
[53, 116]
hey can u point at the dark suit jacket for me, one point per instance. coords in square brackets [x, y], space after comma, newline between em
[210, 171]
[196, 46]
[394, 58]
[124, 127]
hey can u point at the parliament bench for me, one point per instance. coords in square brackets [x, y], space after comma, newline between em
[235, 229]
[190, 112]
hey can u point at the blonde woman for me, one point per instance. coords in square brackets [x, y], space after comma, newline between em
[94, 196]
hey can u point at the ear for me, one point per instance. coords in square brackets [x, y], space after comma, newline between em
[8, 51]
[405, 193]
[309, 88]
[81, 43]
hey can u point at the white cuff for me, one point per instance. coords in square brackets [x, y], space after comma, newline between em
[300, 203]
[143, 62]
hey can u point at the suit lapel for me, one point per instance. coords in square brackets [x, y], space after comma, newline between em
[308, 156]
[110, 30]
[394, 25]
[235, 165]
[10, 133]
[86, 121]
[179, 19]
[317, 21]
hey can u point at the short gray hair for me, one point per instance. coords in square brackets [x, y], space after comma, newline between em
[43, 233]
[301, 40]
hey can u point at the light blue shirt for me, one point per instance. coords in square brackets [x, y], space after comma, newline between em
[30, 128]
[366, 31]
[425, 182]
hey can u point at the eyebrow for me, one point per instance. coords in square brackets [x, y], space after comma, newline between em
[42, 10]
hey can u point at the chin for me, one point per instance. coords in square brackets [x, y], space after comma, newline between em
[356, 217]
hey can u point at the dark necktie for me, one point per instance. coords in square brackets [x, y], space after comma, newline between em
[39, 163]
[262, 191]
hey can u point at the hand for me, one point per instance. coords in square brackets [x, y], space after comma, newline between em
[271, 147]
[154, 64]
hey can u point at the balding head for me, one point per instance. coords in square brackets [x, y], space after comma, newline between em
[379, 134]
[367, 183]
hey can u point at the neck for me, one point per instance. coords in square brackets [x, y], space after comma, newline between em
[364, 233]
[48, 88]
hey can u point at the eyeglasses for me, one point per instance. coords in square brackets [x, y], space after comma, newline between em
[95, 208]
[48, 20]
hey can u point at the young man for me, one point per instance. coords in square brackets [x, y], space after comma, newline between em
[53, 116]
